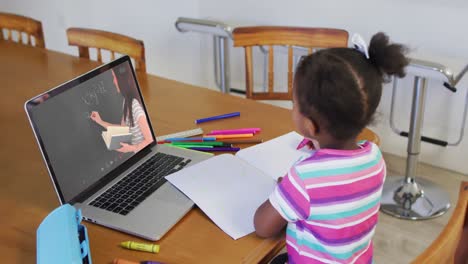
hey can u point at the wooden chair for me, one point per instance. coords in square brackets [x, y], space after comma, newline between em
[309, 38]
[451, 246]
[91, 38]
[24, 26]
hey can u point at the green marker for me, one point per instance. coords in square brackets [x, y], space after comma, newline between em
[187, 149]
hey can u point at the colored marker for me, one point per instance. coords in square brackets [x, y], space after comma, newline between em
[191, 146]
[230, 133]
[212, 118]
[234, 136]
[167, 141]
[245, 141]
[216, 149]
[124, 261]
[235, 131]
[198, 139]
[303, 143]
[153, 248]
[207, 143]
[187, 149]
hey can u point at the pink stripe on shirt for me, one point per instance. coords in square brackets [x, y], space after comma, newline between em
[349, 188]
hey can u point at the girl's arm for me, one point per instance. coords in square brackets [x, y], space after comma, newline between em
[267, 221]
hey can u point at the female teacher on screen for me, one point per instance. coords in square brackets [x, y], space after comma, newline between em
[133, 114]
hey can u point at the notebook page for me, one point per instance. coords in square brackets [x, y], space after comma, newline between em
[275, 156]
[227, 189]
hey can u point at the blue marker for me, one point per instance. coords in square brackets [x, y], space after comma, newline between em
[198, 121]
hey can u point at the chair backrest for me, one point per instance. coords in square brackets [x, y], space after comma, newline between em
[310, 38]
[24, 26]
[115, 43]
[451, 246]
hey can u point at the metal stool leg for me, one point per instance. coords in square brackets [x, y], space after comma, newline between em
[404, 197]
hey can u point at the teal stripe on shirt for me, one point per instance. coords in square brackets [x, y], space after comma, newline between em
[318, 247]
[344, 214]
[340, 171]
[285, 213]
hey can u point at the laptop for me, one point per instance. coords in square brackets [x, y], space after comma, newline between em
[122, 187]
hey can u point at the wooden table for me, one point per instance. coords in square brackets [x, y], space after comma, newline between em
[26, 191]
[27, 194]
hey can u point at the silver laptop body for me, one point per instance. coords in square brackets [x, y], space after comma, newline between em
[83, 171]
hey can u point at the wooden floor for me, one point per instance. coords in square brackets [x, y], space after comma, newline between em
[400, 241]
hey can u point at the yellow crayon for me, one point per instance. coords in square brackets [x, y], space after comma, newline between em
[153, 248]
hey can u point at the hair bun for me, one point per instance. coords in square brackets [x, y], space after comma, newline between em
[388, 58]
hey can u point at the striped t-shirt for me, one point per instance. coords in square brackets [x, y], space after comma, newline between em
[137, 112]
[331, 201]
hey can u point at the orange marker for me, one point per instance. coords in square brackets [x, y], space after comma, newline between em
[123, 261]
[233, 136]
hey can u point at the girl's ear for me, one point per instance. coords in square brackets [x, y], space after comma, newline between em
[311, 127]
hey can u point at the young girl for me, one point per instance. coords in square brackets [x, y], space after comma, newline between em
[330, 200]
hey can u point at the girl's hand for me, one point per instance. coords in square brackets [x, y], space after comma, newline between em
[126, 148]
[96, 117]
[310, 145]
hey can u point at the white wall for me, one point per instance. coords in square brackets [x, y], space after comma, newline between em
[168, 53]
[434, 30]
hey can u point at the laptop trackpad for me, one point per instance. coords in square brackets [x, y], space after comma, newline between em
[169, 194]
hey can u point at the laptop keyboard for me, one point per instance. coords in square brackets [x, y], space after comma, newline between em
[134, 188]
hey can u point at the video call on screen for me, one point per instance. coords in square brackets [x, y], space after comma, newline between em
[72, 140]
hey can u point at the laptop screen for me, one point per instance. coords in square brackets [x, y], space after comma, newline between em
[90, 126]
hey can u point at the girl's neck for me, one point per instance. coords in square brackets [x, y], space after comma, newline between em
[350, 144]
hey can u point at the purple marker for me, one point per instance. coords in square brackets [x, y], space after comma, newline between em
[202, 120]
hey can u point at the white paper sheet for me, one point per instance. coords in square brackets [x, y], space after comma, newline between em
[227, 189]
[275, 156]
